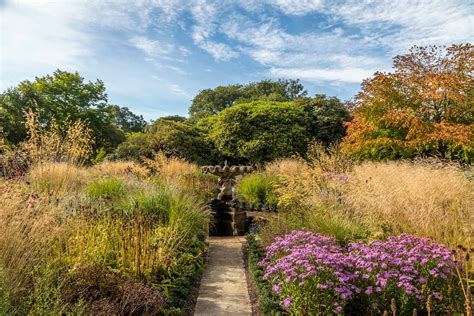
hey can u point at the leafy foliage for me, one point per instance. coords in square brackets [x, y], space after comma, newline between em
[173, 138]
[424, 107]
[64, 97]
[267, 301]
[212, 101]
[261, 131]
[265, 130]
[328, 116]
[174, 118]
[126, 120]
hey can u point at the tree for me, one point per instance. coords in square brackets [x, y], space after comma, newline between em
[211, 101]
[178, 139]
[328, 116]
[126, 120]
[424, 107]
[261, 131]
[65, 97]
[136, 146]
[174, 118]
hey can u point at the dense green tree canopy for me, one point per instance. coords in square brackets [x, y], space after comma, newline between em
[174, 118]
[212, 101]
[328, 115]
[59, 96]
[178, 139]
[126, 120]
[260, 131]
[62, 97]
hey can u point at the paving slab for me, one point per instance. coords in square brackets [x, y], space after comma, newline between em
[223, 289]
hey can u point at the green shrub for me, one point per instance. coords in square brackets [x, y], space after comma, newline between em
[174, 139]
[100, 156]
[188, 268]
[47, 285]
[268, 303]
[261, 131]
[106, 188]
[258, 189]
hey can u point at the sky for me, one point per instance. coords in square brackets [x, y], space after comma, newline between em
[155, 55]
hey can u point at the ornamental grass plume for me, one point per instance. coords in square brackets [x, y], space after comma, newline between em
[422, 198]
[71, 143]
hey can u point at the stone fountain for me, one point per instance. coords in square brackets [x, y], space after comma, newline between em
[229, 218]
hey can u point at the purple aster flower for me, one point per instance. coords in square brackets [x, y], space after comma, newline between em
[286, 302]
[276, 289]
[369, 290]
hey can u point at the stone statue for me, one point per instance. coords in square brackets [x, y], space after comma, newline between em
[227, 180]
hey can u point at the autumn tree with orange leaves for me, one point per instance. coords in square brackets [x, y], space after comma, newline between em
[425, 107]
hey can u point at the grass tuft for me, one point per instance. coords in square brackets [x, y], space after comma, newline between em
[106, 188]
[258, 189]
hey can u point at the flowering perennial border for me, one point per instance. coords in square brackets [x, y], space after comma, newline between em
[310, 273]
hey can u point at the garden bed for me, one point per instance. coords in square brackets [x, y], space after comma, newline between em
[305, 272]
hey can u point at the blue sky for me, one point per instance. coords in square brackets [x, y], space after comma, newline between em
[155, 55]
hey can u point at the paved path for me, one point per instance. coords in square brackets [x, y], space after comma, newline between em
[223, 288]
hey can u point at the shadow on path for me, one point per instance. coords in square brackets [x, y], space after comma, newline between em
[223, 289]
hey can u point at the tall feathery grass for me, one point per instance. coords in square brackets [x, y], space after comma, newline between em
[181, 175]
[426, 198]
[114, 238]
[258, 190]
[329, 194]
[419, 198]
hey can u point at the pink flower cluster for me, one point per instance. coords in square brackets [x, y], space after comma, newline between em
[400, 266]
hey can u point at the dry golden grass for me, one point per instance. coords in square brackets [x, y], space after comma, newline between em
[31, 224]
[120, 169]
[57, 215]
[72, 143]
[181, 175]
[58, 178]
[295, 180]
[328, 159]
[423, 198]
[49, 220]
[170, 169]
[417, 198]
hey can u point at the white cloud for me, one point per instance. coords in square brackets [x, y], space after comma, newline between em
[177, 90]
[312, 56]
[184, 51]
[419, 22]
[368, 34]
[348, 74]
[35, 37]
[205, 15]
[38, 38]
[298, 7]
[219, 51]
[152, 48]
